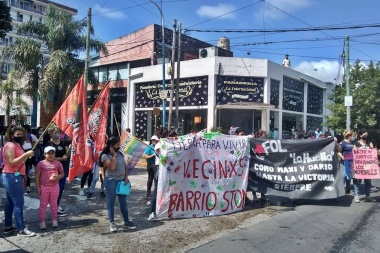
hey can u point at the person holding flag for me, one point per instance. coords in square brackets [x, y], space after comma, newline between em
[116, 171]
[97, 125]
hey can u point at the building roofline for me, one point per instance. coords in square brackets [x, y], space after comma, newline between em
[75, 11]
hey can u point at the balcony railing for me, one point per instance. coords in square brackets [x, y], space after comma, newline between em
[27, 8]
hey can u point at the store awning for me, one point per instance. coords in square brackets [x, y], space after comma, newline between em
[245, 105]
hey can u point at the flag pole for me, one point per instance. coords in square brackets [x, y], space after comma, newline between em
[117, 127]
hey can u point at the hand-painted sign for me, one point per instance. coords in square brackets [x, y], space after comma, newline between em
[202, 175]
[366, 164]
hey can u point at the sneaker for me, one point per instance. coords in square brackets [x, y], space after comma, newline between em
[152, 217]
[89, 195]
[10, 230]
[357, 200]
[148, 203]
[61, 212]
[54, 223]
[113, 227]
[369, 199]
[130, 225]
[26, 232]
[81, 192]
[148, 195]
[42, 225]
[102, 194]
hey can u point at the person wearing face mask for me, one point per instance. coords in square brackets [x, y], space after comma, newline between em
[14, 178]
[363, 143]
[116, 171]
[61, 156]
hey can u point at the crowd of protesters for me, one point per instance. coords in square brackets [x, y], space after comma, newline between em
[51, 155]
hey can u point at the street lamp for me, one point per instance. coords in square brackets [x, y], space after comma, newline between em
[163, 64]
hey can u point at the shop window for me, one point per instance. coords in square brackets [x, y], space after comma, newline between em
[293, 95]
[292, 125]
[314, 100]
[274, 92]
[314, 122]
[274, 125]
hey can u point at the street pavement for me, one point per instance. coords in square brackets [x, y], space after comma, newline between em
[319, 226]
[85, 227]
[311, 226]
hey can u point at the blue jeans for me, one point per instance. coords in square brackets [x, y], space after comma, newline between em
[153, 197]
[15, 200]
[62, 181]
[95, 179]
[110, 185]
[367, 186]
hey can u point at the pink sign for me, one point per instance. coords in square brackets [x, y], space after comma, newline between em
[366, 164]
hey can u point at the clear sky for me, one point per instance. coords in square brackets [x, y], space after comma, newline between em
[316, 53]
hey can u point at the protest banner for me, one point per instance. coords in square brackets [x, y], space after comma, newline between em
[202, 175]
[132, 149]
[301, 169]
[366, 164]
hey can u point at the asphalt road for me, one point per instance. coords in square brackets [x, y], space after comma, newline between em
[313, 226]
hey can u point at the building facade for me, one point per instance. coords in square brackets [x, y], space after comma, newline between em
[220, 92]
[139, 49]
[24, 11]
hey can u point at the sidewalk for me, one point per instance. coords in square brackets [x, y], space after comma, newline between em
[85, 228]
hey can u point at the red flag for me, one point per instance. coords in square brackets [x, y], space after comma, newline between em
[72, 118]
[98, 121]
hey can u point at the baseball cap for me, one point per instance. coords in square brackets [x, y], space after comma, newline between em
[49, 148]
[154, 138]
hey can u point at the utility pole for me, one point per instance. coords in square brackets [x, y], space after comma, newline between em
[87, 52]
[163, 62]
[348, 99]
[172, 74]
[178, 78]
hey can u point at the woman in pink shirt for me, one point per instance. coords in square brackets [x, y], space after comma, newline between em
[48, 173]
[14, 179]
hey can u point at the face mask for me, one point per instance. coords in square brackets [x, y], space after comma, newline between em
[40, 132]
[116, 149]
[353, 139]
[55, 136]
[18, 139]
[364, 137]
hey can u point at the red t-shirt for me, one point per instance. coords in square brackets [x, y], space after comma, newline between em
[18, 152]
[47, 169]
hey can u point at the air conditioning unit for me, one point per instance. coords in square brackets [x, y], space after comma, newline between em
[208, 52]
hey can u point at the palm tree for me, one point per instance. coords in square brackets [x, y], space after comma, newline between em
[12, 103]
[64, 38]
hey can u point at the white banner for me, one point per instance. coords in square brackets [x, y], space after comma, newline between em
[202, 174]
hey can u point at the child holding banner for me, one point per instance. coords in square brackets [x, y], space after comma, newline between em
[363, 143]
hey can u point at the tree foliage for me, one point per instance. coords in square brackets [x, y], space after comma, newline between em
[64, 38]
[12, 103]
[5, 19]
[365, 90]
